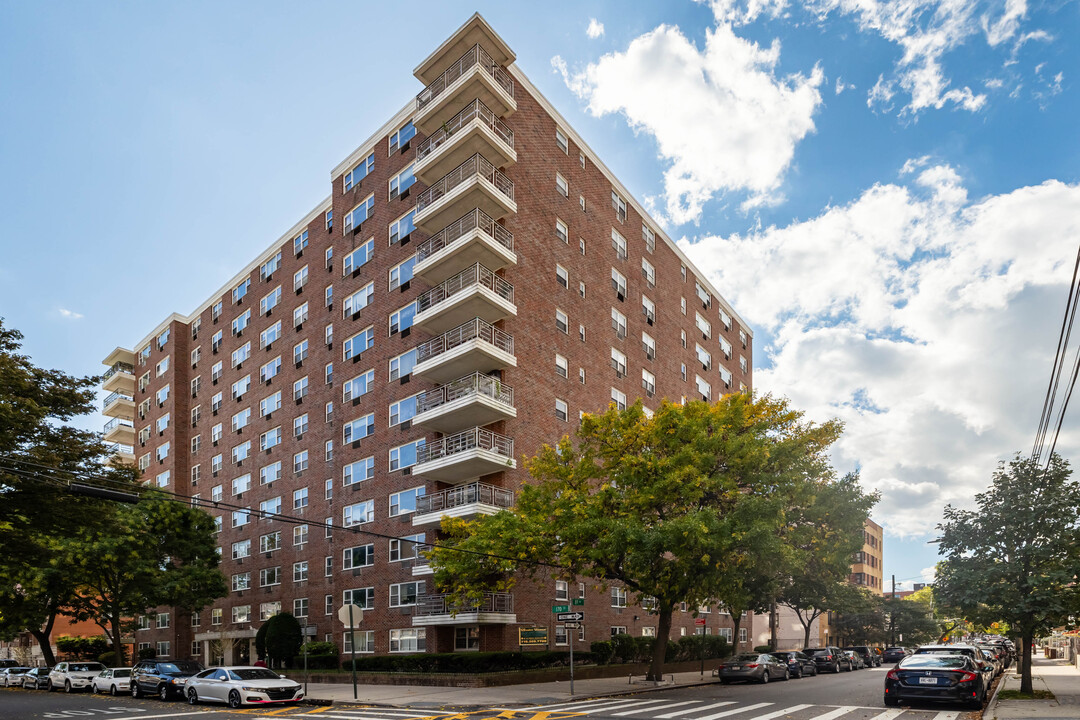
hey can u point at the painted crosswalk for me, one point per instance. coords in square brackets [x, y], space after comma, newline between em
[731, 710]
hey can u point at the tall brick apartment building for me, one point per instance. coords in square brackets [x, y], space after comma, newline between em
[476, 280]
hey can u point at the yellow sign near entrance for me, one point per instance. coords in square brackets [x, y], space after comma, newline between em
[532, 636]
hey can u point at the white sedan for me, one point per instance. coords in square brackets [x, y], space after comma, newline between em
[72, 676]
[12, 676]
[112, 681]
[239, 686]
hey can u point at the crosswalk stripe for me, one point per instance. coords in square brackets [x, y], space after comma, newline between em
[836, 713]
[947, 715]
[736, 711]
[662, 707]
[580, 705]
[888, 715]
[667, 716]
[623, 704]
[781, 713]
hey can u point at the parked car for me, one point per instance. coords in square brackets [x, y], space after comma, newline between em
[242, 685]
[995, 663]
[926, 676]
[869, 657]
[959, 649]
[164, 678]
[798, 663]
[997, 654]
[36, 679]
[894, 654]
[12, 676]
[829, 659]
[855, 659]
[112, 681]
[759, 667]
[73, 676]
[8, 663]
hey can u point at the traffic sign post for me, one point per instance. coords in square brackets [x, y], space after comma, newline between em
[700, 622]
[570, 616]
[351, 616]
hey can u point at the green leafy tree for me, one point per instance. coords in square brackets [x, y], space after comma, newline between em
[284, 636]
[157, 552]
[912, 619]
[1015, 558]
[858, 617]
[672, 507]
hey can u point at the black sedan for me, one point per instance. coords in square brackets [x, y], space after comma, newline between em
[949, 678]
[797, 663]
[37, 679]
[894, 654]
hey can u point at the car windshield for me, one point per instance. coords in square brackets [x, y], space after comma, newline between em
[781, 655]
[187, 666]
[254, 674]
[125, 672]
[86, 667]
[926, 660]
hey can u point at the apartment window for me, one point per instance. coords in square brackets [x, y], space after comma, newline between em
[618, 283]
[682, 305]
[581, 245]
[299, 243]
[215, 311]
[300, 388]
[196, 385]
[618, 242]
[271, 507]
[328, 219]
[742, 338]
[215, 616]
[240, 387]
[328, 374]
[270, 576]
[215, 372]
[270, 439]
[682, 337]
[703, 295]
[562, 231]
[404, 502]
[619, 398]
[725, 347]
[648, 382]
[561, 141]
[196, 474]
[299, 572]
[406, 548]
[196, 326]
[561, 185]
[682, 269]
[358, 343]
[241, 290]
[162, 423]
[196, 355]
[328, 565]
[560, 409]
[581, 288]
[619, 205]
[162, 452]
[162, 367]
[300, 316]
[358, 471]
[618, 323]
[300, 462]
[403, 594]
[144, 381]
[703, 357]
[408, 640]
[562, 276]
[363, 598]
[581, 375]
[355, 217]
[241, 581]
[358, 429]
[270, 404]
[328, 294]
[402, 319]
[400, 139]
[402, 411]
[581, 332]
[300, 352]
[402, 273]
[270, 301]
[618, 361]
[648, 272]
[649, 237]
[300, 535]
[562, 322]
[241, 419]
[240, 322]
[241, 484]
[561, 366]
[358, 513]
[328, 604]
[216, 433]
[648, 344]
[352, 178]
[358, 257]
[358, 386]
[329, 488]
[402, 228]
[561, 636]
[618, 597]
[703, 325]
[562, 590]
[742, 364]
[404, 456]
[241, 354]
[241, 549]
[400, 183]
[241, 451]
[703, 388]
[581, 201]
[300, 499]
[328, 334]
[358, 557]
[648, 309]
[270, 473]
[215, 341]
[215, 464]
[163, 478]
[402, 365]
[144, 462]
[300, 605]
[162, 395]
[329, 411]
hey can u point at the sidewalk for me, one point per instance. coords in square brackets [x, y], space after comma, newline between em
[428, 696]
[1058, 676]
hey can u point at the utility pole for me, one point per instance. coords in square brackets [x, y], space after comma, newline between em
[892, 618]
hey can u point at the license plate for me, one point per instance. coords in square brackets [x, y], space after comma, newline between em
[928, 681]
[736, 667]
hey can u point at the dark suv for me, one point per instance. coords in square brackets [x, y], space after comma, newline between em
[894, 654]
[829, 659]
[164, 678]
[869, 657]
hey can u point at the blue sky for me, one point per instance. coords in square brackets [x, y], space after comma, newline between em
[888, 193]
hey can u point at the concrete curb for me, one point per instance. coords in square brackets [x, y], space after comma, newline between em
[990, 713]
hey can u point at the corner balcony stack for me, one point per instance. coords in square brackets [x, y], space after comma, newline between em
[471, 401]
[463, 501]
[475, 292]
[119, 405]
[475, 183]
[475, 74]
[473, 346]
[473, 238]
[465, 455]
[492, 609]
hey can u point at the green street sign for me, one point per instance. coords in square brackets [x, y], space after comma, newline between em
[577, 601]
[560, 608]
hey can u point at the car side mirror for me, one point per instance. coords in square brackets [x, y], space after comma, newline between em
[282, 677]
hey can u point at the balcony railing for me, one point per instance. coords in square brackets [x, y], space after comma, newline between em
[443, 605]
[464, 441]
[113, 397]
[117, 422]
[475, 384]
[473, 493]
[475, 329]
[475, 55]
[476, 166]
[476, 220]
[472, 111]
[118, 367]
[470, 277]
[118, 449]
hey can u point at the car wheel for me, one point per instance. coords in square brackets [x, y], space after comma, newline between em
[135, 690]
[765, 677]
[112, 690]
[192, 697]
[785, 676]
[234, 699]
[163, 692]
[67, 686]
[836, 667]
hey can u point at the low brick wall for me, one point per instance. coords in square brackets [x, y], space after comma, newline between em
[585, 672]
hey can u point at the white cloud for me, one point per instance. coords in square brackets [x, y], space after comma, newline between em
[70, 314]
[595, 29]
[924, 320]
[721, 117]
[841, 86]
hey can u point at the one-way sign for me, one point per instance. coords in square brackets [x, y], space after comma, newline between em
[570, 617]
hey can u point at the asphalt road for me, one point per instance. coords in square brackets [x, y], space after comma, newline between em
[847, 696]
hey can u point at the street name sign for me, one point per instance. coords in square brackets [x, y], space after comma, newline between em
[560, 608]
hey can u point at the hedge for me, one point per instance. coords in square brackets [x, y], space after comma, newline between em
[478, 662]
[628, 649]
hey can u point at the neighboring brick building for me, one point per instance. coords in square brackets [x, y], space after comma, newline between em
[867, 571]
[476, 279]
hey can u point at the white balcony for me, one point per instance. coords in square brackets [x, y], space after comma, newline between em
[119, 431]
[119, 405]
[473, 76]
[475, 183]
[476, 129]
[473, 346]
[120, 377]
[471, 401]
[120, 454]
[475, 292]
[464, 501]
[465, 455]
[473, 238]
[473, 31]
[492, 609]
